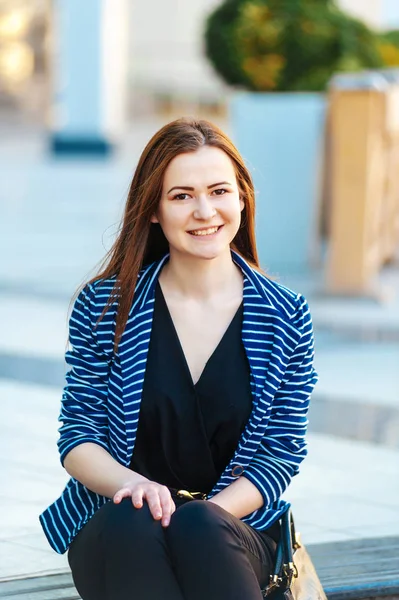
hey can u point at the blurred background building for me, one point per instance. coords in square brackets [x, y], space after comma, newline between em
[24, 51]
[165, 58]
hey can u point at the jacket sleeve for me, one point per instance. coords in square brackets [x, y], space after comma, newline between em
[83, 407]
[283, 446]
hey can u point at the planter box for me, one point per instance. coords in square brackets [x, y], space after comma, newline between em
[281, 137]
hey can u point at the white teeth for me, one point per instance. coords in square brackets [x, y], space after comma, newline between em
[205, 231]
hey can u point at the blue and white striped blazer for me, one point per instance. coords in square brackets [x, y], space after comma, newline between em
[101, 399]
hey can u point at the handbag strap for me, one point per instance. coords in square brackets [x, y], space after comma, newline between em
[286, 536]
[295, 536]
[278, 564]
[284, 547]
[290, 544]
[284, 567]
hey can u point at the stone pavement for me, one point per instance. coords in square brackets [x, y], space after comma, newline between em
[58, 218]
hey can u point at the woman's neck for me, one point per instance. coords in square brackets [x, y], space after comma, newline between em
[202, 279]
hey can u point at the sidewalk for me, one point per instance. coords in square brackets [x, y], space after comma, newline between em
[51, 237]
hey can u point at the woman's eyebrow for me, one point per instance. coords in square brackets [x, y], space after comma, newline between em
[220, 183]
[191, 189]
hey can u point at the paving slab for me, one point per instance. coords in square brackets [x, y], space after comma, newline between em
[364, 370]
[345, 488]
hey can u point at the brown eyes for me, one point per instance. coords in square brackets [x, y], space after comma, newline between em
[218, 192]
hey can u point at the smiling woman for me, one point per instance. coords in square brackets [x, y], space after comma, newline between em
[184, 410]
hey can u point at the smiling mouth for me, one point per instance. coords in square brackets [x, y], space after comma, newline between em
[205, 232]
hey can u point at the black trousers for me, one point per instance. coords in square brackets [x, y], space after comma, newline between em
[122, 553]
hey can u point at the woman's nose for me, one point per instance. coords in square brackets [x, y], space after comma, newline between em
[204, 209]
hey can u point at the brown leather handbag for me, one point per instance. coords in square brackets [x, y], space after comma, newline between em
[294, 576]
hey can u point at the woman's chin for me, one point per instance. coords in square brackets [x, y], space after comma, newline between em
[210, 253]
[206, 253]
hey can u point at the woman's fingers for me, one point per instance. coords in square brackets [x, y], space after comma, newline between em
[166, 505]
[120, 494]
[158, 499]
[154, 503]
[137, 497]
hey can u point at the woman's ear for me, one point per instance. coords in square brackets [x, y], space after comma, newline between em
[242, 203]
[154, 219]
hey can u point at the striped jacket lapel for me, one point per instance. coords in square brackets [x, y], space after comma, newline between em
[263, 337]
[133, 350]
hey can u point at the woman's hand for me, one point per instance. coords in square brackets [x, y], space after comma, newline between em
[158, 498]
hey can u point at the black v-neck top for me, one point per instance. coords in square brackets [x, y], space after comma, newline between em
[188, 433]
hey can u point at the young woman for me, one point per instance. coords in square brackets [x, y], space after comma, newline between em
[184, 412]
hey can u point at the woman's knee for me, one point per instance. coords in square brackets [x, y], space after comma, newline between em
[125, 522]
[120, 541]
[196, 519]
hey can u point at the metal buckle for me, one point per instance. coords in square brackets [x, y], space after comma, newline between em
[191, 495]
[274, 583]
[290, 572]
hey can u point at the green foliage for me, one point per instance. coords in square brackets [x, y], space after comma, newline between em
[388, 47]
[286, 45]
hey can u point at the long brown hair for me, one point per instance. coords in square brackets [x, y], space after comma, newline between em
[141, 242]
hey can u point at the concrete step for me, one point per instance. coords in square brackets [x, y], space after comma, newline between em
[358, 569]
[47, 587]
[351, 570]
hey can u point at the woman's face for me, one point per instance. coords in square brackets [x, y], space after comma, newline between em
[200, 207]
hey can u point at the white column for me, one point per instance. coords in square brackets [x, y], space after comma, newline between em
[366, 10]
[89, 75]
